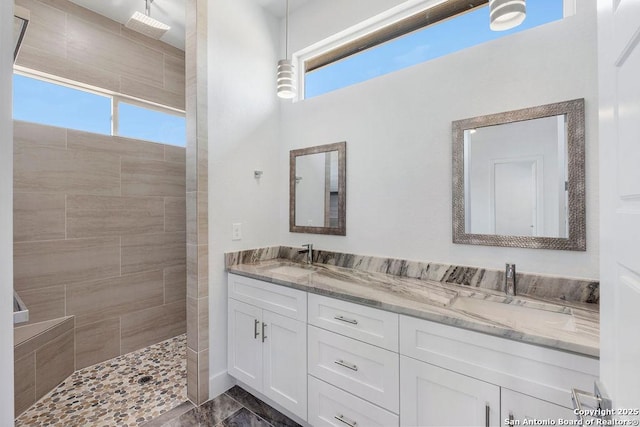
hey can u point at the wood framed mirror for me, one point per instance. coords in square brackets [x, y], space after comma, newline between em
[519, 178]
[317, 189]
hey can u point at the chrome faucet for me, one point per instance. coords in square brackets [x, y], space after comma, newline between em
[308, 251]
[510, 279]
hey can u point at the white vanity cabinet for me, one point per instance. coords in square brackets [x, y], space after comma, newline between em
[267, 341]
[463, 373]
[341, 364]
[432, 396]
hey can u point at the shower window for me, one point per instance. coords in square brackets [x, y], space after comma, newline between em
[53, 104]
[62, 104]
[151, 124]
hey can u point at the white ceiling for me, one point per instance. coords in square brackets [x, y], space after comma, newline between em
[170, 12]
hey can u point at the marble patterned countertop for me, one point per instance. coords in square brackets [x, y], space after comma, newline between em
[560, 325]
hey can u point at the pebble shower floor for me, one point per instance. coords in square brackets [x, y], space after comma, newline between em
[109, 394]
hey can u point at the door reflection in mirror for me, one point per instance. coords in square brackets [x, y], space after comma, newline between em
[515, 178]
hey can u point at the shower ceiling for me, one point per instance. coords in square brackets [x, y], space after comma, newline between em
[170, 12]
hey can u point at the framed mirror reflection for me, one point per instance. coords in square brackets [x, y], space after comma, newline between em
[317, 189]
[518, 178]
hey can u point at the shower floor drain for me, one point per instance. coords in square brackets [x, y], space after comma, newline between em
[145, 380]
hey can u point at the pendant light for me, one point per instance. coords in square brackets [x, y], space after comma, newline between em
[286, 72]
[506, 14]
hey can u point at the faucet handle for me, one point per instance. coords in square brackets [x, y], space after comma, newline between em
[510, 279]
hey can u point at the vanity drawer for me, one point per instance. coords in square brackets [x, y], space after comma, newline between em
[331, 407]
[537, 371]
[275, 298]
[362, 369]
[366, 324]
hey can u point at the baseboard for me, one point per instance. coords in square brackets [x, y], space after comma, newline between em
[219, 383]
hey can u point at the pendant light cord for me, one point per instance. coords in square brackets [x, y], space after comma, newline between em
[286, 35]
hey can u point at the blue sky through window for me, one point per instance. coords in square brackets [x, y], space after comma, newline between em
[151, 125]
[449, 36]
[39, 101]
[51, 104]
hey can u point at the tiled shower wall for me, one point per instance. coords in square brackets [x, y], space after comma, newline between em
[100, 234]
[69, 41]
[197, 203]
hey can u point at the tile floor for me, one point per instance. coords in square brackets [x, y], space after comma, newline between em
[235, 408]
[109, 395]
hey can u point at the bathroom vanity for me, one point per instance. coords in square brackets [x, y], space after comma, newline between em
[345, 347]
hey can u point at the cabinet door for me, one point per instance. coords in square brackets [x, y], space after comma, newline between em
[432, 396]
[244, 355]
[285, 362]
[519, 407]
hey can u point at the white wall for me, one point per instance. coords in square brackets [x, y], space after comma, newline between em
[398, 133]
[243, 137]
[6, 214]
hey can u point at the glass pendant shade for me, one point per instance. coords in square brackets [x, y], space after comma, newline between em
[506, 14]
[286, 79]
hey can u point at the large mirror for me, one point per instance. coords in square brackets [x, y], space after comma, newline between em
[317, 189]
[518, 178]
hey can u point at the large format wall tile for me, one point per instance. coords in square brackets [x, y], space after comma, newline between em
[149, 252]
[175, 283]
[175, 214]
[55, 361]
[103, 299]
[46, 27]
[93, 216]
[152, 178]
[44, 303]
[152, 93]
[48, 170]
[24, 380]
[146, 327]
[97, 342]
[104, 49]
[40, 135]
[38, 217]
[174, 154]
[174, 74]
[77, 140]
[42, 264]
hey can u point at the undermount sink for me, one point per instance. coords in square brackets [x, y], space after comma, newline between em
[291, 271]
[518, 314]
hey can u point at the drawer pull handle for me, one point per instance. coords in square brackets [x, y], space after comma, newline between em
[347, 421]
[346, 364]
[487, 414]
[344, 319]
[264, 336]
[256, 334]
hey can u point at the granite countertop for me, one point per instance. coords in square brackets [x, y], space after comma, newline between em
[555, 324]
